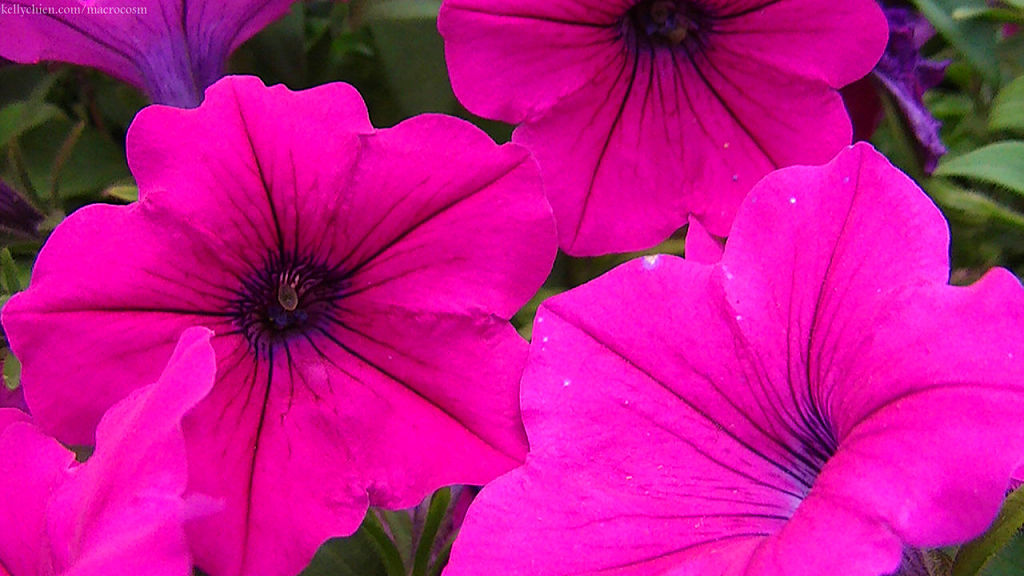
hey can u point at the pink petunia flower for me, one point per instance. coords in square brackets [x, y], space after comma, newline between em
[122, 511]
[643, 112]
[170, 49]
[359, 282]
[820, 401]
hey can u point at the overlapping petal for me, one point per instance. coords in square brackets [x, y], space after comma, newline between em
[817, 402]
[123, 511]
[170, 49]
[633, 135]
[406, 249]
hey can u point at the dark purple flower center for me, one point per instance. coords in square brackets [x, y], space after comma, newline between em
[669, 22]
[289, 297]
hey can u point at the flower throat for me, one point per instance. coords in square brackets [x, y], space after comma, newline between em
[288, 297]
[667, 22]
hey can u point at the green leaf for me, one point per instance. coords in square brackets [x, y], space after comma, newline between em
[988, 13]
[125, 193]
[403, 10]
[12, 371]
[1001, 163]
[1008, 560]
[20, 117]
[971, 207]
[399, 525]
[976, 39]
[352, 556]
[973, 556]
[93, 163]
[438, 508]
[1008, 108]
[385, 547]
[413, 54]
[9, 273]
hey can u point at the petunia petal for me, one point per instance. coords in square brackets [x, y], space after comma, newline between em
[122, 512]
[279, 178]
[109, 275]
[810, 261]
[632, 450]
[550, 49]
[32, 467]
[418, 243]
[172, 49]
[701, 246]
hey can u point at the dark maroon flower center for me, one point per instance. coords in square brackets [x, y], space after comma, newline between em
[669, 22]
[290, 296]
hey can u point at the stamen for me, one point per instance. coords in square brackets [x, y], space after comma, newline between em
[287, 296]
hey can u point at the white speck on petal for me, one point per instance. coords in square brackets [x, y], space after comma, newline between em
[544, 339]
[566, 383]
[739, 318]
[725, 145]
[792, 199]
[650, 262]
[846, 180]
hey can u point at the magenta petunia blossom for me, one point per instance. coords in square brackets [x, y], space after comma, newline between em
[820, 401]
[123, 511]
[643, 112]
[171, 49]
[360, 283]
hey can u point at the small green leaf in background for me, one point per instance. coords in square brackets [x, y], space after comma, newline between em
[1001, 164]
[436, 513]
[974, 555]
[126, 193]
[974, 38]
[9, 273]
[92, 162]
[12, 371]
[971, 207]
[20, 117]
[351, 556]
[384, 545]
[1008, 108]
[400, 528]
[412, 52]
[1008, 561]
